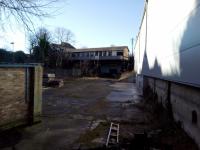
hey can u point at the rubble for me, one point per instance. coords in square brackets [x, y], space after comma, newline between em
[49, 80]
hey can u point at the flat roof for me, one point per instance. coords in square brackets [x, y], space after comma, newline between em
[97, 49]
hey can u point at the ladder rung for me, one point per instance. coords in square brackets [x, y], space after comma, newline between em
[114, 128]
[115, 124]
[113, 134]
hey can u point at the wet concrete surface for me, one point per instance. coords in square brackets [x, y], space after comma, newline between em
[123, 92]
[69, 111]
[78, 115]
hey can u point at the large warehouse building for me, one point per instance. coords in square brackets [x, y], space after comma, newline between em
[167, 57]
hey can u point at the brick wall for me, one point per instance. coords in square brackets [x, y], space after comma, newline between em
[20, 95]
[12, 95]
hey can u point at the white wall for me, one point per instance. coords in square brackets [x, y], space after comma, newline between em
[170, 47]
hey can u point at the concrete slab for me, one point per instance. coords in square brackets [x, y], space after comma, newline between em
[78, 115]
[123, 92]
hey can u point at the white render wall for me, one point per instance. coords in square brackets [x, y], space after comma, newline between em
[168, 43]
[168, 49]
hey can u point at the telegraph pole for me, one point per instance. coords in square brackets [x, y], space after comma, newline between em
[132, 39]
[13, 59]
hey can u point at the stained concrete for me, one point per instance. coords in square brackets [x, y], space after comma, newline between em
[123, 92]
[184, 99]
[78, 116]
[72, 110]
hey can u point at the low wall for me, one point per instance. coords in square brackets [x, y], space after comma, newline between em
[186, 109]
[184, 101]
[64, 73]
[20, 94]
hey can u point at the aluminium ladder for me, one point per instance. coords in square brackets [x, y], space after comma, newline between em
[113, 135]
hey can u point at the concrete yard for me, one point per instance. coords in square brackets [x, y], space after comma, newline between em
[78, 116]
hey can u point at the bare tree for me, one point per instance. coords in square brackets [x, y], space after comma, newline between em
[63, 35]
[23, 11]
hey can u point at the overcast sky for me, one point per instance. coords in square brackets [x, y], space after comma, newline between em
[95, 23]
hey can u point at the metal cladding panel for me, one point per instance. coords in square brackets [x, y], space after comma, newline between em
[172, 49]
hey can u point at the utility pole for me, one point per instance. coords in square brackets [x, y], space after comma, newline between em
[13, 59]
[132, 39]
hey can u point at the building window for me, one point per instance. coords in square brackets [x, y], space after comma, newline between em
[194, 117]
[100, 53]
[104, 53]
[109, 53]
[91, 54]
[119, 53]
[96, 53]
[77, 54]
